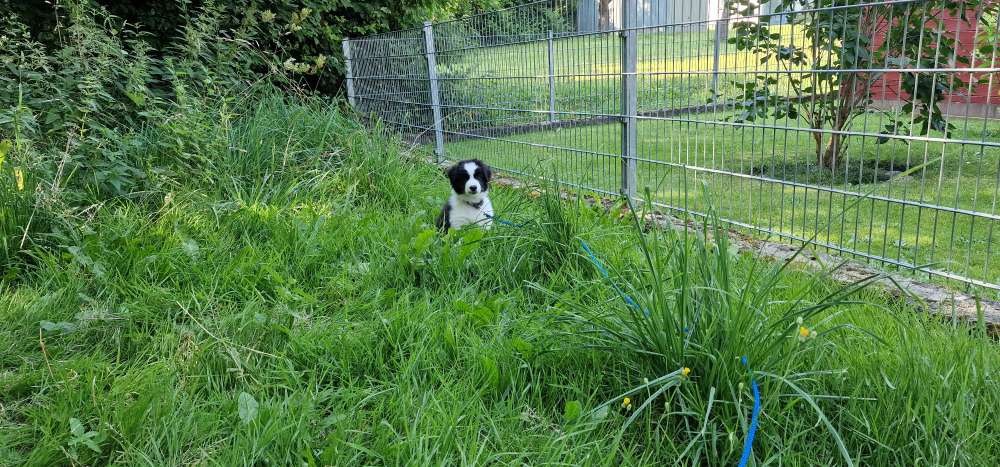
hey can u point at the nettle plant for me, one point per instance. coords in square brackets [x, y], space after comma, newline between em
[822, 66]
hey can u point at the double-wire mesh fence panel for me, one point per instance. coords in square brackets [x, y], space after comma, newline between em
[869, 128]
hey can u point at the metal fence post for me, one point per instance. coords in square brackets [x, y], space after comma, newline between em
[721, 36]
[552, 80]
[435, 95]
[348, 73]
[630, 100]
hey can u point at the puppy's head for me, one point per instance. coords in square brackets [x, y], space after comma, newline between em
[470, 177]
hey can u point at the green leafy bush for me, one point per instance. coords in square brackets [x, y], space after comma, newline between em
[304, 34]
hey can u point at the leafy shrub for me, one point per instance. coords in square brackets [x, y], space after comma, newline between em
[305, 34]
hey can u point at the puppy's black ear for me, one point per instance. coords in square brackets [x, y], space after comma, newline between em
[487, 171]
[451, 172]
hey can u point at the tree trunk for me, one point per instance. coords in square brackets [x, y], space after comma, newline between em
[604, 15]
[853, 91]
[817, 135]
[831, 154]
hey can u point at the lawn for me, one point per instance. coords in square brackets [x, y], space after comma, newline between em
[477, 83]
[768, 178]
[674, 67]
[759, 173]
[292, 305]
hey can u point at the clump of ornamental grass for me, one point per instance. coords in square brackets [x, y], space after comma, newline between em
[700, 329]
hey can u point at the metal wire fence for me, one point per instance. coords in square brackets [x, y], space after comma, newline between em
[870, 128]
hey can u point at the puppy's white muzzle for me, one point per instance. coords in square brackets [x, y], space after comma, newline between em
[473, 187]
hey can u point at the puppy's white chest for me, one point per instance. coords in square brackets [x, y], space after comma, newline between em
[463, 214]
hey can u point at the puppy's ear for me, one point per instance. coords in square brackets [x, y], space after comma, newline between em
[450, 172]
[487, 171]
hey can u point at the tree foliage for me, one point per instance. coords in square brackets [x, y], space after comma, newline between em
[305, 34]
[834, 51]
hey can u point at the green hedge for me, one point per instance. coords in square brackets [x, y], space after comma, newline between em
[306, 34]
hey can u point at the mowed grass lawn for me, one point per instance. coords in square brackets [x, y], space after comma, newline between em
[485, 87]
[293, 306]
[760, 177]
[673, 64]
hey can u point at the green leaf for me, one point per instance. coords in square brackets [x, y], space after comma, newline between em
[522, 346]
[75, 427]
[191, 248]
[481, 315]
[137, 98]
[423, 241]
[90, 439]
[4, 149]
[491, 370]
[472, 235]
[600, 414]
[572, 411]
[62, 327]
[247, 407]
[449, 336]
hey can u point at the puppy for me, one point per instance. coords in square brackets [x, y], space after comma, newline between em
[469, 202]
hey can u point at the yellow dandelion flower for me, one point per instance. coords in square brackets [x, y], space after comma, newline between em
[803, 333]
[685, 372]
[627, 403]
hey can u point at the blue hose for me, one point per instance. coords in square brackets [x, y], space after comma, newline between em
[752, 432]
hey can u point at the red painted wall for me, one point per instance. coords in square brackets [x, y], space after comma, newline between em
[888, 88]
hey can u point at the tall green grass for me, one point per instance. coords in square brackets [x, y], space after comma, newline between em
[691, 310]
[18, 220]
[292, 304]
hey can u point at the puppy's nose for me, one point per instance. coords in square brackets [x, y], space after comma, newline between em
[473, 189]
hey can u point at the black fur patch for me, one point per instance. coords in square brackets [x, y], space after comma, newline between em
[443, 220]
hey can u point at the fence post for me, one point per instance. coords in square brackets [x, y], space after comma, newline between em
[348, 73]
[435, 96]
[552, 80]
[721, 36]
[630, 100]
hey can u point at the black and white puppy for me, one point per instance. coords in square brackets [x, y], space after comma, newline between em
[469, 202]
